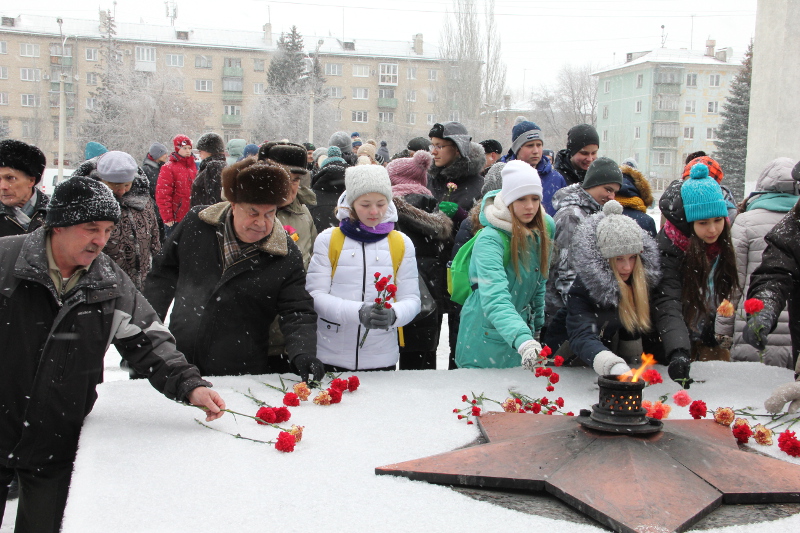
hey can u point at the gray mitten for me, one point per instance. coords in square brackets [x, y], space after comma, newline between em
[382, 318]
[788, 392]
[363, 315]
[530, 354]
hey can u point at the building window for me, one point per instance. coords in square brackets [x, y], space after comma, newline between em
[333, 69]
[232, 84]
[690, 106]
[231, 134]
[605, 111]
[711, 134]
[30, 100]
[688, 132]
[713, 80]
[638, 106]
[662, 158]
[455, 116]
[146, 53]
[3, 98]
[3, 73]
[411, 73]
[337, 115]
[431, 96]
[605, 135]
[91, 78]
[691, 80]
[386, 116]
[433, 74]
[203, 86]
[3, 47]
[57, 50]
[90, 103]
[91, 54]
[29, 129]
[30, 74]
[713, 107]
[232, 110]
[388, 74]
[258, 65]
[411, 96]
[359, 116]
[667, 103]
[411, 118]
[174, 60]
[360, 93]
[29, 50]
[639, 81]
[232, 62]
[607, 86]
[637, 132]
[202, 62]
[385, 93]
[333, 92]
[258, 88]
[667, 77]
[430, 119]
[360, 71]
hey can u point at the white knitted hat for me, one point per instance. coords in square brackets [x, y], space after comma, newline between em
[363, 179]
[519, 179]
[618, 234]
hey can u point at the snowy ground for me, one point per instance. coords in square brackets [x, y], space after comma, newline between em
[144, 464]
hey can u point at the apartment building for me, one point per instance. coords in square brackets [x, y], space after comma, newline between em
[661, 105]
[378, 88]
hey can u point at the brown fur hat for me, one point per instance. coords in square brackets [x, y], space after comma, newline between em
[256, 182]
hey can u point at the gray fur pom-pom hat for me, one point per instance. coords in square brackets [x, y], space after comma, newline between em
[618, 234]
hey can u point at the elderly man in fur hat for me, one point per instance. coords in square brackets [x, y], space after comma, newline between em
[231, 269]
[22, 204]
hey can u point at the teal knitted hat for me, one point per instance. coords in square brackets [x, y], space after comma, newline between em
[702, 196]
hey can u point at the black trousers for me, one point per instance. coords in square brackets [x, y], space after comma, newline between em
[42, 497]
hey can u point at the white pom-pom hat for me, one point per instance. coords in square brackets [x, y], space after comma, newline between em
[618, 234]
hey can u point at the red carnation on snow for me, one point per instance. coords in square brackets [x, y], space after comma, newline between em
[681, 398]
[353, 383]
[291, 399]
[476, 411]
[787, 442]
[558, 361]
[265, 415]
[554, 378]
[285, 442]
[336, 395]
[698, 409]
[339, 384]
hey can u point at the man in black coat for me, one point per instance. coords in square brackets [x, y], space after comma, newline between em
[207, 186]
[582, 146]
[22, 204]
[230, 270]
[62, 301]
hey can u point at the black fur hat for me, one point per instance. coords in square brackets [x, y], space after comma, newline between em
[23, 157]
[211, 143]
[256, 182]
[291, 155]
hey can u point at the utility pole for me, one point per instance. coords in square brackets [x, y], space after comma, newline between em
[62, 107]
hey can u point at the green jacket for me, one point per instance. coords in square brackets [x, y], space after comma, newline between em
[503, 312]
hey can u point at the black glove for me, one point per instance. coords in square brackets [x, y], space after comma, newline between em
[679, 366]
[382, 318]
[308, 364]
[761, 322]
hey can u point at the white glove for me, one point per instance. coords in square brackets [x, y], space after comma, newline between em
[606, 363]
[788, 392]
[529, 350]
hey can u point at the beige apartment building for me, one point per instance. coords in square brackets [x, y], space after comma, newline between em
[382, 89]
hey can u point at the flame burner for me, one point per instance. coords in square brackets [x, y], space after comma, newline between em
[619, 409]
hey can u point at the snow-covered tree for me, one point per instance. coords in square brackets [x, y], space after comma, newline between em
[732, 134]
[287, 72]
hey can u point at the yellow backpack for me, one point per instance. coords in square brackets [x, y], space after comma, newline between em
[397, 249]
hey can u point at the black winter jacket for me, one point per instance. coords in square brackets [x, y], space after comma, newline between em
[207, 186]
[151, 168]
[563, 164]
[464, 172]
[328, 185]
[52, 350]
[8, 222]
[221, 319]
[776, 281]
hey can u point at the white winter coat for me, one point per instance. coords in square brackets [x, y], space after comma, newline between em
[338, 301]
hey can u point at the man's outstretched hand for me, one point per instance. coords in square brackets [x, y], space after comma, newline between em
[209, 400]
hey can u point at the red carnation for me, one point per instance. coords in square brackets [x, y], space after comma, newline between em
[545, 351]
[265, 415]
[339, 384]
[285, 442]
[547, 372]
[536, 408]
[377, 275]
[544, 401]
[753, 305]
[538, 372]
[464, 398]
[387, 305]
[652, 376]
[560, 401]
[570, 413]
[460, 417]
[291, 399]
[681, 398]
[353, 383]
[282, 414]
[469, 422]
[698, 409]
[456, 410]
[336, 395]
[742, 432]
[392, 288]
[476, 411]
[550, 388]
[381, 284]
[788, 443]
[554, 378]
[378, 300]
[558, 361]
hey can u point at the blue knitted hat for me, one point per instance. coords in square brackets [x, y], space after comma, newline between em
[524, 132]
[702, 196]
[334, 154]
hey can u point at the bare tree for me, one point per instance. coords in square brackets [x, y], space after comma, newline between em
[494, 79]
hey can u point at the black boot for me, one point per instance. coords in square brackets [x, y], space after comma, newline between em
[13, 489]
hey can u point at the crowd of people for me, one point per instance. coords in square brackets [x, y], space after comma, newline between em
[286, 257]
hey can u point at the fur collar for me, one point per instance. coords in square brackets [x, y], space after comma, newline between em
[461, 168]
[595, 271]
[275, 244]
[436, 225]
[640, 185]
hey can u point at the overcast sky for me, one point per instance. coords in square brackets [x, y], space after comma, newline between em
[537, 36]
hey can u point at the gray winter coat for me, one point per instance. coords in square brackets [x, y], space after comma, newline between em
[777, 197]
[573, 205]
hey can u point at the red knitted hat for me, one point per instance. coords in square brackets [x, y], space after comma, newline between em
[181, 140]
[714, 170]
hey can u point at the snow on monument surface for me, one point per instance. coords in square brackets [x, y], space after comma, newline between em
[144, 464]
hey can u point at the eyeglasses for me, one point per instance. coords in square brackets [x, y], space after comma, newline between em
[439, 147]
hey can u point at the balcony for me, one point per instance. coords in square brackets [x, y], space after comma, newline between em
[232, 96]
[55, 87]
[668, 88]
[665, 142]
[232, 72]
[70, 111]
[665, 116]
[387, 103]
[231, 120]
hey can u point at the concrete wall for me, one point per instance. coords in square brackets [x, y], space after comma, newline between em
[775, 95]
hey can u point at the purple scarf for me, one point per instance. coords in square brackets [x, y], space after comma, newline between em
[362, 233]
